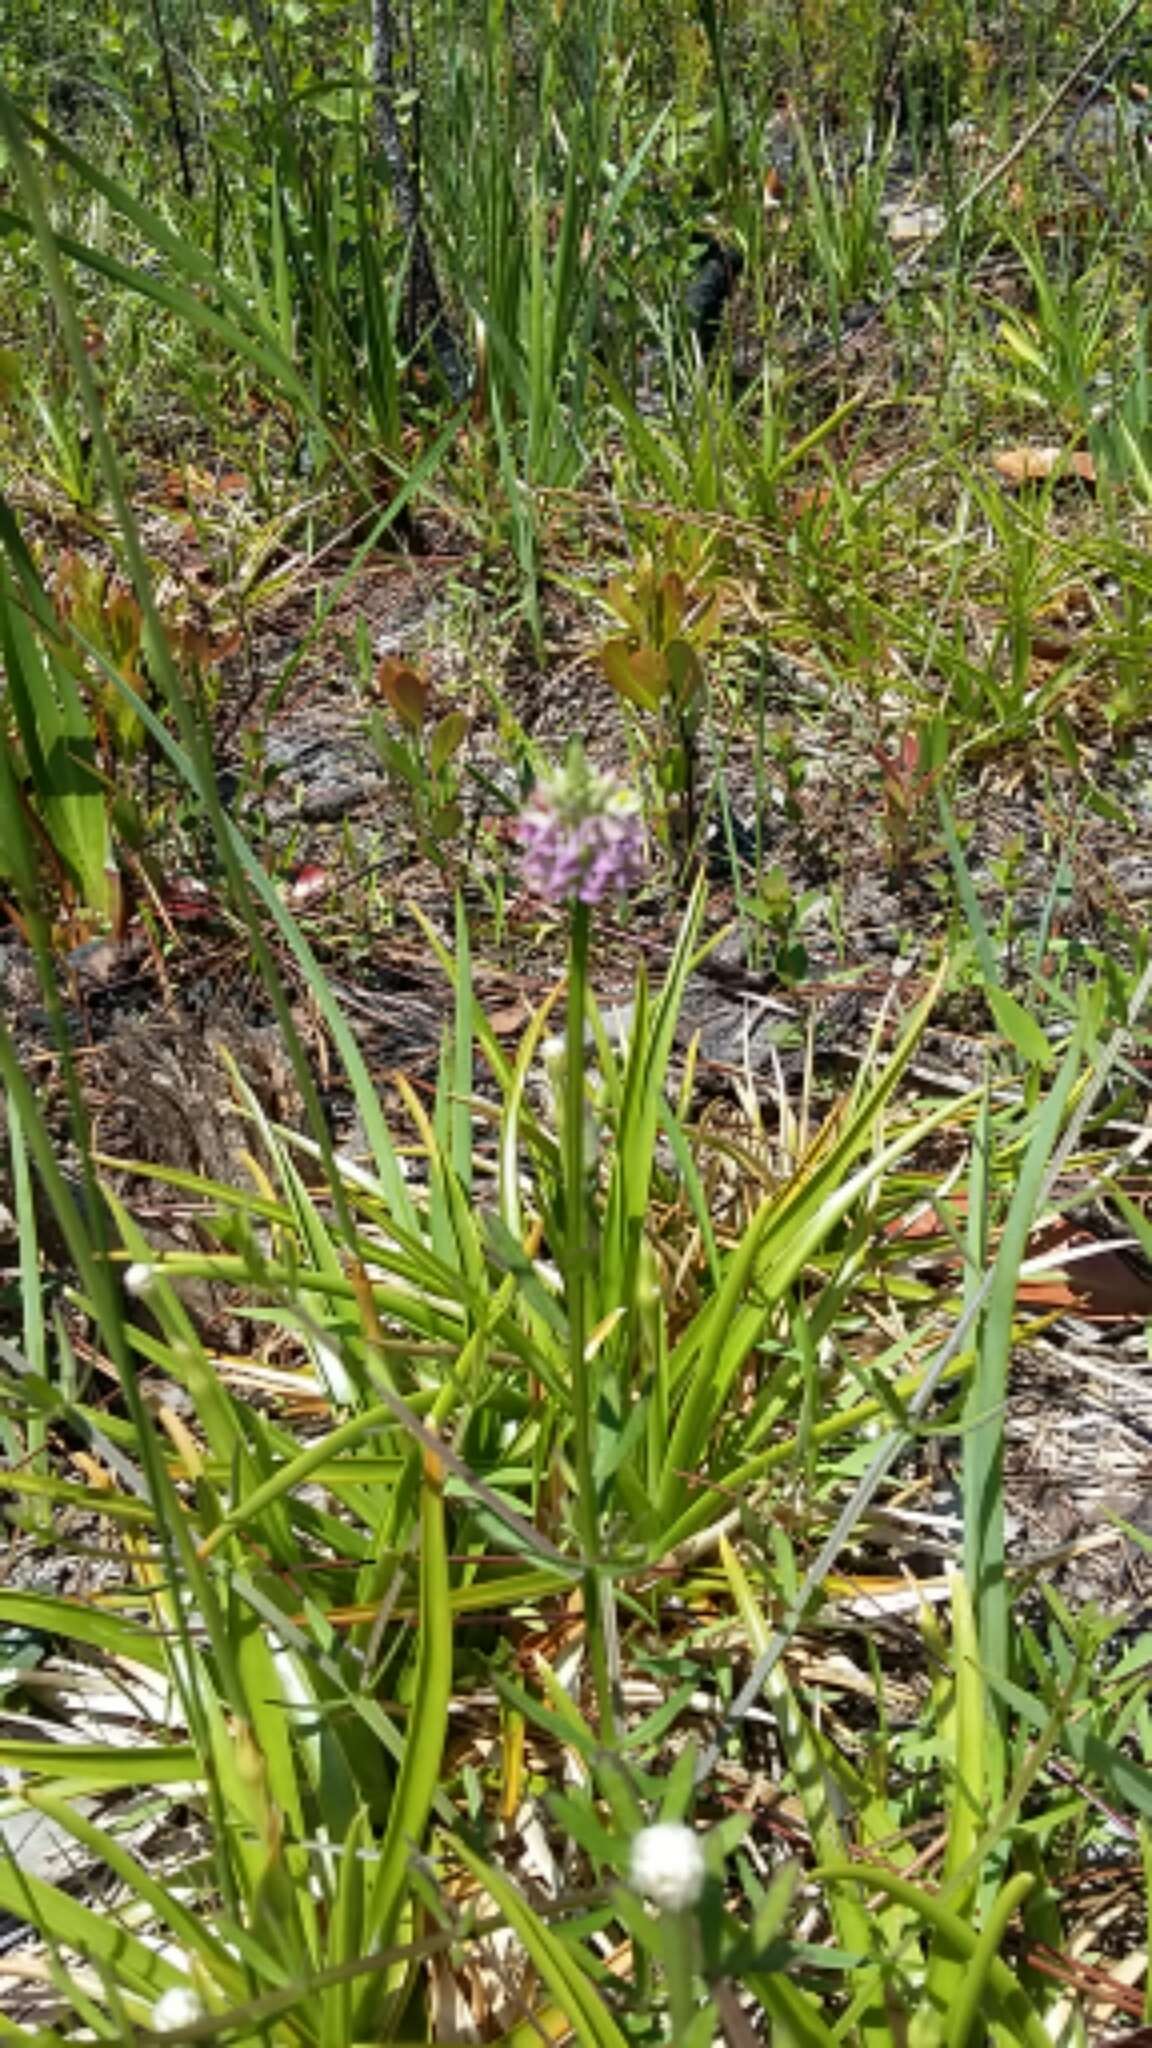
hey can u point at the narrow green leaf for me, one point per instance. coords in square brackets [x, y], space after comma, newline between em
[77, 1621]
[419, 1779]
[175, 1763]
[1006, 1997]
[591, 2023]
[101, 1938]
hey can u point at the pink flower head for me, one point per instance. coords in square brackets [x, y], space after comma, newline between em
[582, 836]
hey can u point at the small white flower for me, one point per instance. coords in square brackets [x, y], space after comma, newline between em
[178, 2008]
[139, 1277]
[667, 1865]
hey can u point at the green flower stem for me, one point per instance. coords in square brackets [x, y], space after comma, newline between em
[678, 1952]
[577, 1268]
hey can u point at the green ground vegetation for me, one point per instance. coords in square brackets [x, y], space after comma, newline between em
[477, 1455]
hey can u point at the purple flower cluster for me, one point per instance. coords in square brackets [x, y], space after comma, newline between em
[582, 836]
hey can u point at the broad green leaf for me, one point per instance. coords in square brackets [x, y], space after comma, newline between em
[1020, 1028]
[180, 1920]
[448, 736]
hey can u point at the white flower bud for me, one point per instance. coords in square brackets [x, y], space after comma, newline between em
[667, 1865]
[178, 2008]
[139, 1277]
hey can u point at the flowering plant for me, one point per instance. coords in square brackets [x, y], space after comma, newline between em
[582, 835]
[667, 1865]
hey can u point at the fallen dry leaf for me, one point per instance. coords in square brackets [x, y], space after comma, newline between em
[1035, 465]
[1082, 1275]
[1052, 647]
[188, 900]
[512, 1018]
[908, 224]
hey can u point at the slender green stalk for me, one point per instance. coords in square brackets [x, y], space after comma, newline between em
[678, 1944]
[577, 1269]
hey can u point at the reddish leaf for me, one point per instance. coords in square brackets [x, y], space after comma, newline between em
[1094, 1281]
[188, 900]
[405, 689]
[308, 885]
[200, 647]
[672, 599]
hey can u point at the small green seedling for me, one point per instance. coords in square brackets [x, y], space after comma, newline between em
[656, 665]
[422, 758]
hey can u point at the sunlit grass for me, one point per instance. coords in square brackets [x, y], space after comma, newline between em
[591, 1443]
